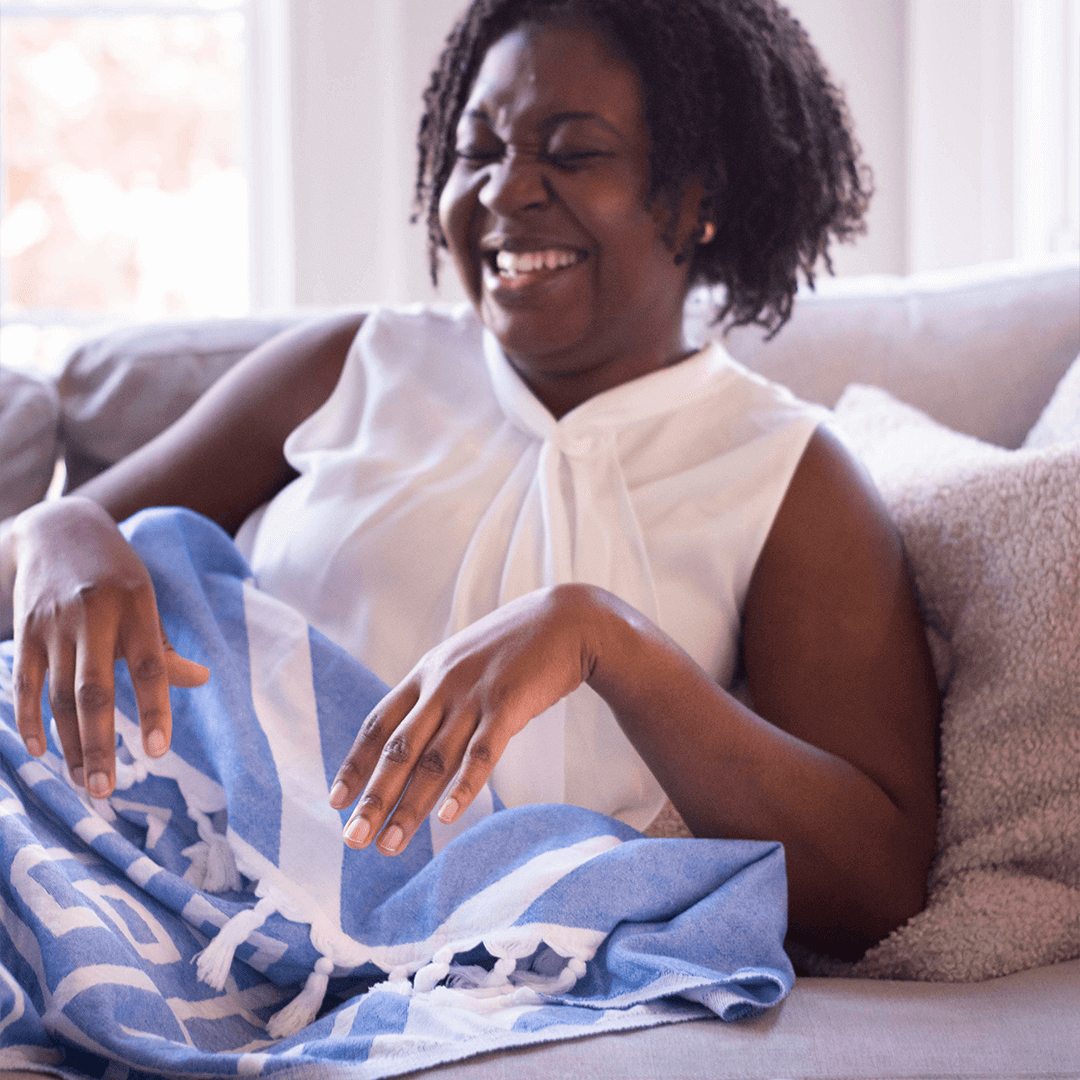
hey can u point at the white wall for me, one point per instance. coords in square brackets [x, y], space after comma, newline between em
[969, 114]
[967, 111]
[864, 45]
[358, 72]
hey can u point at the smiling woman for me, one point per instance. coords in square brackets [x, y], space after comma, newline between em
[555, 530]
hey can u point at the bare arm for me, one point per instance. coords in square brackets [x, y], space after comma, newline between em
[838, 762]
[838, 759]
[224, 456]
[79, 596]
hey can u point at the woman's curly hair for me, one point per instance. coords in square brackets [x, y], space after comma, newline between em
[735, 96]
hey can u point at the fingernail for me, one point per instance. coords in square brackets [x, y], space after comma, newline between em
[339, 795]
[448, 810]
[79, 776]
[98, 785]
[357, 830]
[34, 746]
[155, 743]
[391, 838]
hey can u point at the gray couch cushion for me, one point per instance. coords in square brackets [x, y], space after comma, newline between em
[29, 419]
[119, 390]
[979, 349]
[1022, 1026]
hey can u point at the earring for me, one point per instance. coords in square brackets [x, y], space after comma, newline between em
[708, 231]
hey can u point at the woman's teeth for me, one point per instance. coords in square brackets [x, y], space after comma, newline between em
[512, 263]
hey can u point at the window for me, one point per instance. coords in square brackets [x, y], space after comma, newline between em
[125, 188]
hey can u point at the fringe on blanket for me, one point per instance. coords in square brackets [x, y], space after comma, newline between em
[216, 868]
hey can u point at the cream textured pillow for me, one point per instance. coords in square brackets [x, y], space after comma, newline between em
[1060, 420]
[993, 536]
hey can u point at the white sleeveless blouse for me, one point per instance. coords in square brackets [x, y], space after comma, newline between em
[434, 487]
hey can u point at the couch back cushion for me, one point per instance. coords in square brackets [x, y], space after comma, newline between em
[978, 349]
[29, 424]
[118, 390]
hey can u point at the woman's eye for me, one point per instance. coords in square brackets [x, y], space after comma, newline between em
[572, 160]
[476, 155]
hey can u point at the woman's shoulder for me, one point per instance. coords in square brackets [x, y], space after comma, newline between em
[414, 333]
[406, 366]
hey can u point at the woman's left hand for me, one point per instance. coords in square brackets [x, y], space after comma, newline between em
[449, 720]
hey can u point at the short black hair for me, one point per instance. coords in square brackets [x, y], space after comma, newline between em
[735, 96]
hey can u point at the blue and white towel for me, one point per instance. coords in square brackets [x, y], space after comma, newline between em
[207, 919]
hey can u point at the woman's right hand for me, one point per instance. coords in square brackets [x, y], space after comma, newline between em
[82, 600]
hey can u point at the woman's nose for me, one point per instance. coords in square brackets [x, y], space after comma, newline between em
[516, 182]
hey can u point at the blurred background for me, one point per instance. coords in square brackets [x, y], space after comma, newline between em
[189, 158]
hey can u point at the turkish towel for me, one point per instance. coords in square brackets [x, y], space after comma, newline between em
[207, 918]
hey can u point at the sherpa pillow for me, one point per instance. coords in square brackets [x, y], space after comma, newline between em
[993, 537]
[1060, 420]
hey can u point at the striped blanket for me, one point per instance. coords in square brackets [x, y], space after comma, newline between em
[207, 919]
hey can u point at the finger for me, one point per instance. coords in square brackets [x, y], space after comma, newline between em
[485, 748]
[183, 672]
[28, 675]
[94, 703]
[434, 768]
[179, 670]
[62, 703]
[391, 774]
[143, 649]
[363, 755]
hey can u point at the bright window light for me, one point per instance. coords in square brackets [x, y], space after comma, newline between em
[124, 188]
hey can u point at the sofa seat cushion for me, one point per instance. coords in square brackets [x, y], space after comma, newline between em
[1022, 1027]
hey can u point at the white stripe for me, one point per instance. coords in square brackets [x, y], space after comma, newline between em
[86, 978]
[141, 870]
[19, 1006]
[89, 828]
[343, 1022]
[283, 694]
[109, 898]
[19, 1055]
[25, 942]
[33, 772]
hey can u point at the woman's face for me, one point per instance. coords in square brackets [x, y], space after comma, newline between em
[545, 216]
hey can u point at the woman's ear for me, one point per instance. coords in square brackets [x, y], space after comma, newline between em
[689, 221]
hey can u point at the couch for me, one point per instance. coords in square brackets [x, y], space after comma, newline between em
[979, 352]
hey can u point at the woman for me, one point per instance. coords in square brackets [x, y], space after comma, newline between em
[460, 526]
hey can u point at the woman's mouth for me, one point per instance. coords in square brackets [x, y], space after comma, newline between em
[515, 269]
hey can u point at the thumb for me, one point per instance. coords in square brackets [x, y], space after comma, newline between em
[179, 670]
[184, 672]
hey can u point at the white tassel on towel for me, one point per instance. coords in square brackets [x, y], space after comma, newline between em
[213, 865]
[213, 963]
[305, 1006]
